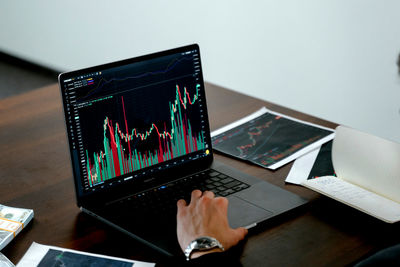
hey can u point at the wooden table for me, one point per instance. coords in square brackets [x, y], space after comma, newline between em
[35, 173]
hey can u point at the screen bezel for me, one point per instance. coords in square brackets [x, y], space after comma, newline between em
[151, 179]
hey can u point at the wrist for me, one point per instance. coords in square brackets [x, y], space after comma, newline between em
[202, 245]
[197, 254]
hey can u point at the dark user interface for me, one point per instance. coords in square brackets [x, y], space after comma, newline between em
[128, 120]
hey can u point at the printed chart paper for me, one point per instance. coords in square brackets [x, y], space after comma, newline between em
[269, 139]
[44, 256]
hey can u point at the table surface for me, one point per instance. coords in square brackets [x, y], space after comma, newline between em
[35, 173]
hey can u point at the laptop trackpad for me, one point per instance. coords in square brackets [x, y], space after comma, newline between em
[243, 213]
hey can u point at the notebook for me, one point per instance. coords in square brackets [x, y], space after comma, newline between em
[138, 129]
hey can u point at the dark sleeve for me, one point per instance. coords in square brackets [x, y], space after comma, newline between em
[215, 259]
[387, 257]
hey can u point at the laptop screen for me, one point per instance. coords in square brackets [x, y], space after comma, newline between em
[129, 120]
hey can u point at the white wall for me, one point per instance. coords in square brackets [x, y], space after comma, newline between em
[333, 59]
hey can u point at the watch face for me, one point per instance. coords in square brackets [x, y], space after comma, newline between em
[204, 242]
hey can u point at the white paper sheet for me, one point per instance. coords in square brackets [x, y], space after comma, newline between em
[368, 161]
[356, 197]
[301, 167]
[295, 155]
[37, 252]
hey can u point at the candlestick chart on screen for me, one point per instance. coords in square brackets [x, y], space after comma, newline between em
[267, 139]
[127, 149]
[126, 119]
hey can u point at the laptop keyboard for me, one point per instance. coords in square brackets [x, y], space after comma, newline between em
[162, 199]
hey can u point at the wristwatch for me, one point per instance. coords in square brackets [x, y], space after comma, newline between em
[202, 243]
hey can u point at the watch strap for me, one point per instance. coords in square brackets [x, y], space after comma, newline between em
[202, 243]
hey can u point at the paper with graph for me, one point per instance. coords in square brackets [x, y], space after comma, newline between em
[43, 256]
[269, 139]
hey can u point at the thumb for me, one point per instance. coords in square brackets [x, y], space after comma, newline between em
[241, 232]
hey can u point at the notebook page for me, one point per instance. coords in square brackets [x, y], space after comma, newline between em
[368, 161]
[356, 197]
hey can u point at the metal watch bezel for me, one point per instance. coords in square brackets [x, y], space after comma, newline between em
[202, 243]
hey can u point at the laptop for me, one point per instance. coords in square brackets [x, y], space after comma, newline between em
[139, 140]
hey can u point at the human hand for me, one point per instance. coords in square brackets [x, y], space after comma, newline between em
[206, 215]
